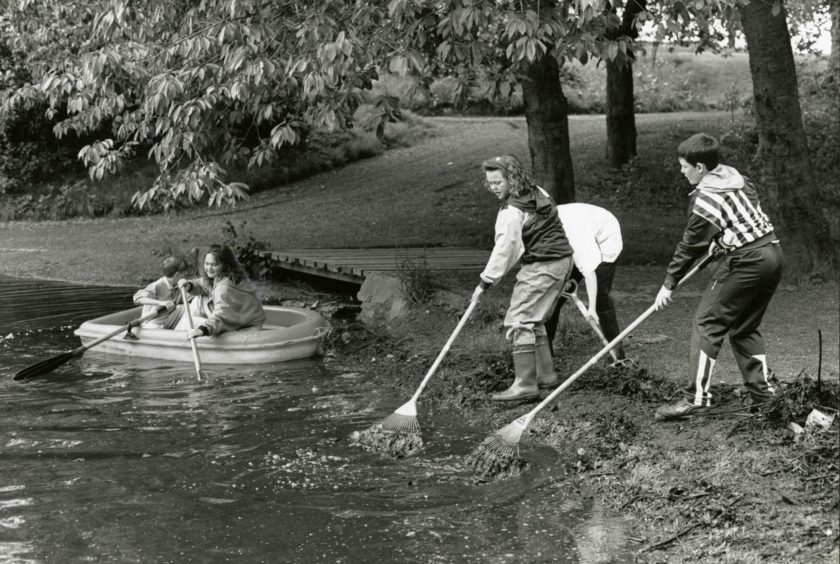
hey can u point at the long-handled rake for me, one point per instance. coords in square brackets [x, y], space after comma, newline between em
[570, 292]
[404, 420]
[504, 443]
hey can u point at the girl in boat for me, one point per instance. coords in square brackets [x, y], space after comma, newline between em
[224, 298]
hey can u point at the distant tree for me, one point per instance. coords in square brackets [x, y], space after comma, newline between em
[201, 86]
[621, 111]
[835, 42]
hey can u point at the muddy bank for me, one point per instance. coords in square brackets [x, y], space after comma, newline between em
[737, 485]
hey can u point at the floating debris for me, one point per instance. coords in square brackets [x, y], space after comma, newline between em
[494, 465]
[396, 444]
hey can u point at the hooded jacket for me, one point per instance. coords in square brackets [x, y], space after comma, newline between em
[232, 305]
[724, 209]
[527, 229]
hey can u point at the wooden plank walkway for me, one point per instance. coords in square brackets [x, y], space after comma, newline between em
[353, 265]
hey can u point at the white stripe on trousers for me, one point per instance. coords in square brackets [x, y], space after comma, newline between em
[762, 358]
[703, 379]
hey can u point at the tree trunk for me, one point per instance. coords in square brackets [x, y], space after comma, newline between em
[731, 33]
[621, 114]
[834, 58]
[783, 160]
[621, 111]
[546, 112]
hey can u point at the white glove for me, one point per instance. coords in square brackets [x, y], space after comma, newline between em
[663, 298]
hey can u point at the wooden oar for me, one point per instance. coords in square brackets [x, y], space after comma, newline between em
[192, 326]
[51, 364]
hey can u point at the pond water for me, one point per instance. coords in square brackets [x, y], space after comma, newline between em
[110, 460]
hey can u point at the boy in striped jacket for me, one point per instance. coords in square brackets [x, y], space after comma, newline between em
[725, 214]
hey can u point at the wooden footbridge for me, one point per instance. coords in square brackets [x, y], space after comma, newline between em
[353, 265]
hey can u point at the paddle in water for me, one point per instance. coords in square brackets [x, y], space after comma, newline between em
[46, 366]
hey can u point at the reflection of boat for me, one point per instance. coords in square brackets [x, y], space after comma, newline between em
[288, 334]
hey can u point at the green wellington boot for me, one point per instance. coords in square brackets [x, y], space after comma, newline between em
[546, 377]
[525, 381]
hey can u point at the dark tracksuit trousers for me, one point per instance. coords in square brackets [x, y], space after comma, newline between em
[734, 303]
[604, 306]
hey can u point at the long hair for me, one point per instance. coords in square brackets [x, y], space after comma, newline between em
[228, 265]
[515, 173]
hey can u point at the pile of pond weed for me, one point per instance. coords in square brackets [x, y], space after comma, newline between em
[396, 444]
[471, 385]
[793, 401]
[627, 380]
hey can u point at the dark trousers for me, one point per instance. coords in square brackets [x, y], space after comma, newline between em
[604, 306]
[734, 303]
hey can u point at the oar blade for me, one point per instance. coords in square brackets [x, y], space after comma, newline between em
[44, 366]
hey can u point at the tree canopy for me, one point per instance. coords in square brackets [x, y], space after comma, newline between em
[208, 85]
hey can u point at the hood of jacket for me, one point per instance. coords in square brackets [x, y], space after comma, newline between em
[721, 179]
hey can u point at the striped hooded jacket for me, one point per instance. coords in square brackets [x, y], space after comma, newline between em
[724, 209]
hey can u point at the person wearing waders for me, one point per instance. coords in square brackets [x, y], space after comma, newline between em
[725, 217]
[527, 230]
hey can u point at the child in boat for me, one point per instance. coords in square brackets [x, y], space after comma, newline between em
[162, 292]
[528, 230]
[226, 299]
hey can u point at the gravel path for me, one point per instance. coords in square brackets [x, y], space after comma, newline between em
[428, 194]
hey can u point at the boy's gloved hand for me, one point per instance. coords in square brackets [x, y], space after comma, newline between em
[663, 298]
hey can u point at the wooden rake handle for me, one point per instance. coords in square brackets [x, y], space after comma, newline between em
[627, 330]
[445, 349]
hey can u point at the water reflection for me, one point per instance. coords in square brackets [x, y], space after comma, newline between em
[118, 461]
